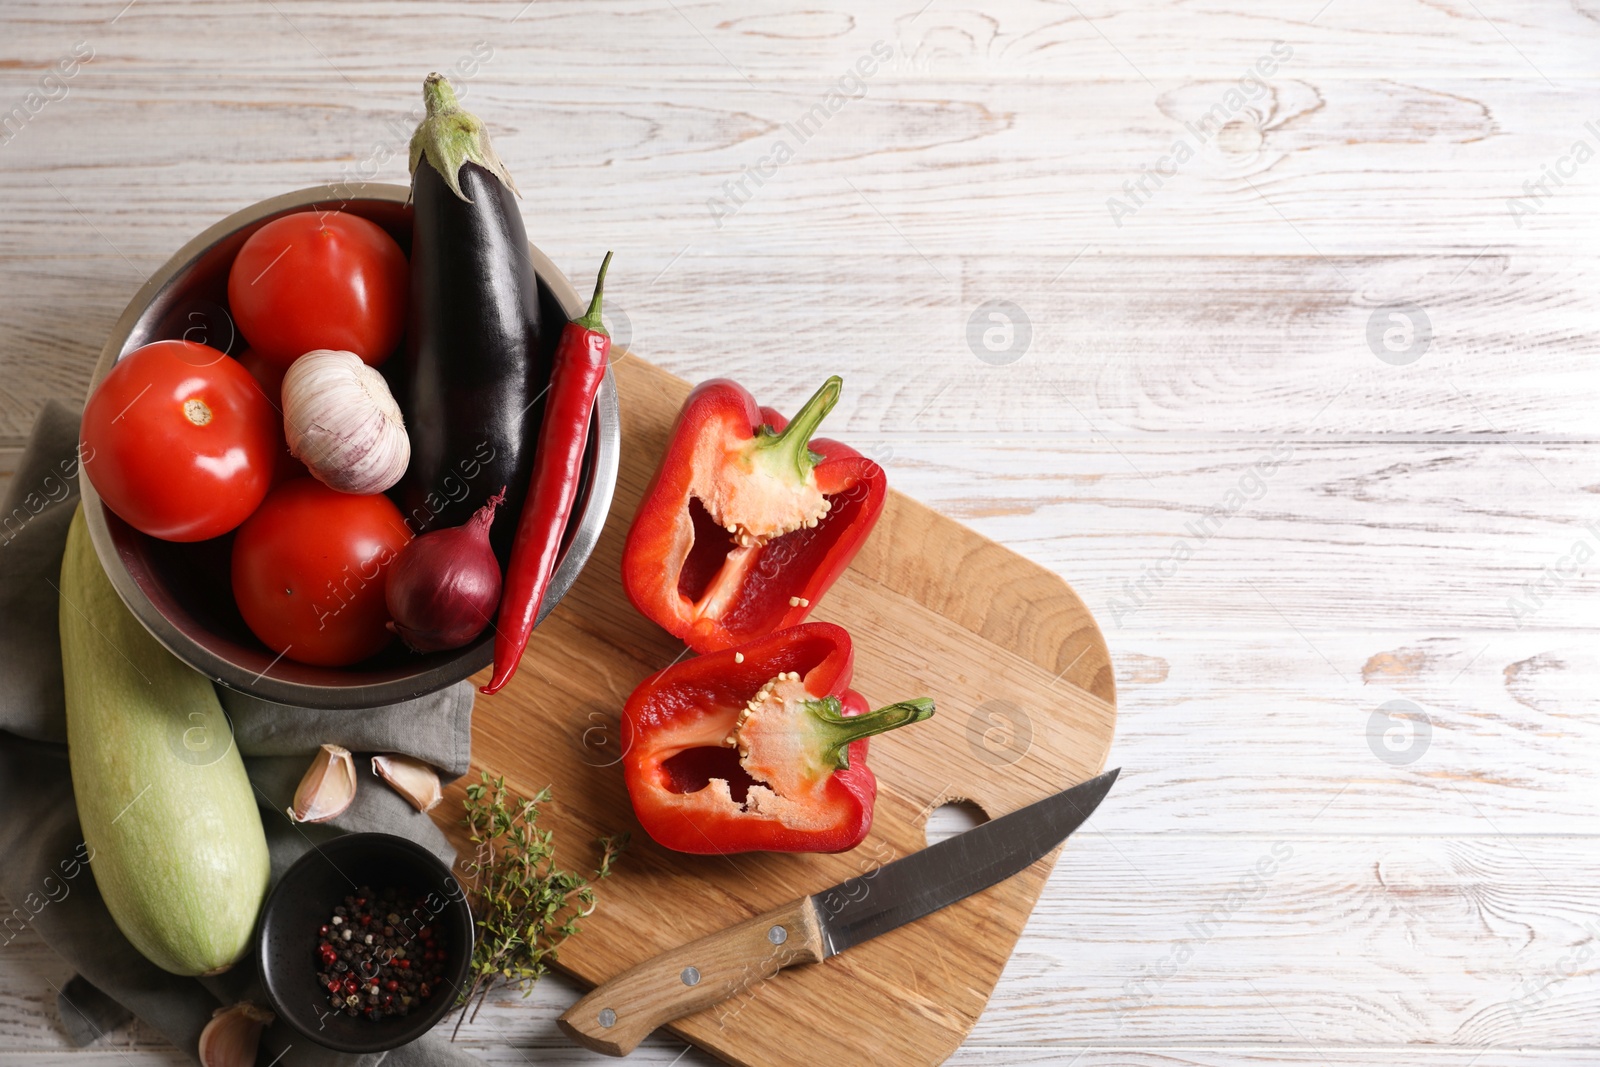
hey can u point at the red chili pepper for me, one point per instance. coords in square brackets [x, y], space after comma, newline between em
[748, 521]
[580, 364]
[760, 747]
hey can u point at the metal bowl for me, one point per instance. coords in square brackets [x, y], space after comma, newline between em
[182, 592]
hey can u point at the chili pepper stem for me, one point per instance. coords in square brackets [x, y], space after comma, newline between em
[788, 448]
[591, 318]
[840, 731]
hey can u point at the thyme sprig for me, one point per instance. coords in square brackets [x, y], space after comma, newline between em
[525, 905]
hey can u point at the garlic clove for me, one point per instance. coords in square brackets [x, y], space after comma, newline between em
[328, 787]
[342, 422]
[232, 1036]
[411, 778]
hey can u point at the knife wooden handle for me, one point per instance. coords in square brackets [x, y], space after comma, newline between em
[616, 1016]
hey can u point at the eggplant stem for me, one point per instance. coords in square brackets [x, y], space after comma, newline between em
[449, 138]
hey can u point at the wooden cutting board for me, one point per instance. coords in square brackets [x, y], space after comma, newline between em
[1026, 706]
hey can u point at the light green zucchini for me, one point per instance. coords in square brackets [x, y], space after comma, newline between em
[170, 820]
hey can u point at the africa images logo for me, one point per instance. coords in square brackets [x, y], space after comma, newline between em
[1249, 486]
[52, 86]
[1138, 191]
[851, 85]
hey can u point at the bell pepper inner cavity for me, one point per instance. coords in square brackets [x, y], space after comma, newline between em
[746, 493]
[769, 578]
[711, 546]
[693, 770]
[778, 753]
[749, 520]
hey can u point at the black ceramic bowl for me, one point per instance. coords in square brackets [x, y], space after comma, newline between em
[286, 946]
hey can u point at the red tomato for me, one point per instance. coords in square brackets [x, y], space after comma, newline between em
[179, 440]
[270, 376]
[308, 572]
[309, 281]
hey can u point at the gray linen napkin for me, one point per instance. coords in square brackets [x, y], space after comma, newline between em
[54, 894]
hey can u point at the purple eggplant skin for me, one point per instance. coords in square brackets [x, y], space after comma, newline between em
[477, 355]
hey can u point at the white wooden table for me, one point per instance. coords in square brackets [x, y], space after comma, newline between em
[1304, 408]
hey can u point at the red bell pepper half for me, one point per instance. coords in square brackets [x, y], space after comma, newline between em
[757, 748]
[748, 520]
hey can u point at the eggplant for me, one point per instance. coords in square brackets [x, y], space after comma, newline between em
[477, 354]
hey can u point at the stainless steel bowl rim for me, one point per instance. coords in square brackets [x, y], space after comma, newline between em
[607, 460]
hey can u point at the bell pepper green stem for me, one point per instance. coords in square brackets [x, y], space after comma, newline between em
[789, 447]
[839, 731]
[591, 318]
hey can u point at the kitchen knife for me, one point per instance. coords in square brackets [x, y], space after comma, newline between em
[616, 1016]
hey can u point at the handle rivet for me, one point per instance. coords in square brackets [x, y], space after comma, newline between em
[777, 935]
[608, 1018]
[690, 976]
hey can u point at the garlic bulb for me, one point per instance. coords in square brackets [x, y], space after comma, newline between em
[231, 1037]
[343, 423]
[328, 787]
[411, 778]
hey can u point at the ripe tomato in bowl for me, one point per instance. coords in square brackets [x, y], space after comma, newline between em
[182, 592]
[270, 377]
[320, 279]
[309, 568]
[180, 441]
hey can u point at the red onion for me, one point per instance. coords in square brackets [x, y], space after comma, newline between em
[444, 586]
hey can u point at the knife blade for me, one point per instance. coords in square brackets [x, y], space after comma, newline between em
[619, 1014]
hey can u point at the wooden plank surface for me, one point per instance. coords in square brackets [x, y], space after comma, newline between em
[933, 610]
[1432, 909]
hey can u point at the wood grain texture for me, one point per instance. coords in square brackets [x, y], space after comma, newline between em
[1166, 356]
[618, 1014]
[933, 609]
[1271, 184]
[1121, 347]
[1114, 1056]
